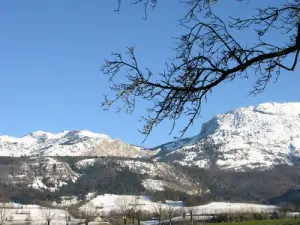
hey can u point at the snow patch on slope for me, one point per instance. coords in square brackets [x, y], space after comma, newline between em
[55, 175]
[154, 185]
[85, 163]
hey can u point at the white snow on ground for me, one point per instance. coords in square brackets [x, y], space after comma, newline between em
[105, 204]
[226, 207]
[108, 203]
[90, 196]
[19, 214]
[67, 201]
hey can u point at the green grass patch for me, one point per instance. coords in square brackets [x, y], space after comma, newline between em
[264, 222]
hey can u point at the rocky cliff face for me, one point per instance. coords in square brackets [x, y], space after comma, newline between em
[245, 138]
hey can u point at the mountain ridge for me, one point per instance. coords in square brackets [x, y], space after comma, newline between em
[244, 138]
[66, 143]
[253, 136]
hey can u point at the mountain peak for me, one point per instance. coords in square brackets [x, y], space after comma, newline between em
[247, 137]
[38, 134]
[67, 143]
[65, 133]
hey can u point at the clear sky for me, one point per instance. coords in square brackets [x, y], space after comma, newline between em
[50, 57]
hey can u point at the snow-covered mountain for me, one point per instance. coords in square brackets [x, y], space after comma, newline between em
[68, 143]
[245, 138]
[263, 140]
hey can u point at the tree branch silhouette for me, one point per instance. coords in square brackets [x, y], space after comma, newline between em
[206, 55]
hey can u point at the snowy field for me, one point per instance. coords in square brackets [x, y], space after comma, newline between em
[106, 204]
[34, 214]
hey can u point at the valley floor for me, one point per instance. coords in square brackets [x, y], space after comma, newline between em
[264, 222]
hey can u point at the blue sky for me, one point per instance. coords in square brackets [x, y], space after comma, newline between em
[50, 57]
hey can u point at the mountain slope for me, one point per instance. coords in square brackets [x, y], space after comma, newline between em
[245, 138]
[67, 143]
[80, 175]
[151, 173]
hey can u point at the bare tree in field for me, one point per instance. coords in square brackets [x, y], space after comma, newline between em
[170, 211]
[124, 206]
[47, 214]
[158, 210]
[67, 216]
[4, 211]
[88, 213]
[191, 211]
[28, 219]
[136, 209]
[206, 55]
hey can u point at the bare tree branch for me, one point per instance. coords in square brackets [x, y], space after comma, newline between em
[206, 55]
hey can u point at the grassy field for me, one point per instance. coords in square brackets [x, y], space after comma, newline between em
[264, 222]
